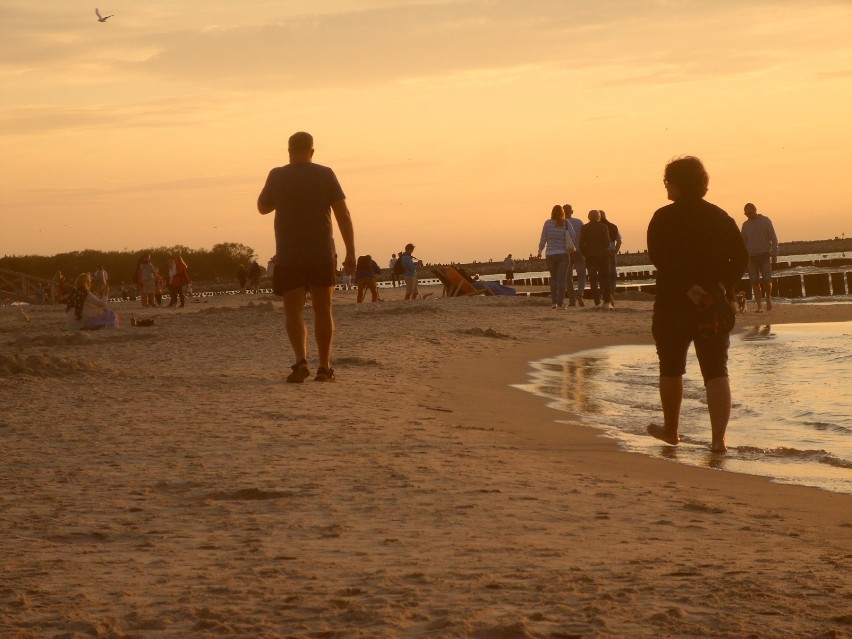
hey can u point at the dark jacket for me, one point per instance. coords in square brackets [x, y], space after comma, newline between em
[691, 241]
[594, 240]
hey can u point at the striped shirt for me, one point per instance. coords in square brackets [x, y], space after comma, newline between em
[554, 237]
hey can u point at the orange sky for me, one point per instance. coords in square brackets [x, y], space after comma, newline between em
[452, 125]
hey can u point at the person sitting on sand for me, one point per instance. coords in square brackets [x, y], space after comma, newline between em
[85, 310]
[696, 248]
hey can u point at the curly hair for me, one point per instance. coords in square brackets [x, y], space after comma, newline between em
[688, 175]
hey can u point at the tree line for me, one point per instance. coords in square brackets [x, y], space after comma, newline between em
[222, 261]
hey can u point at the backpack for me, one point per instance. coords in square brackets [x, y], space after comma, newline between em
[397, 267]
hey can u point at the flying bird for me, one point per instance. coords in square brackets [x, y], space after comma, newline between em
[102, 18]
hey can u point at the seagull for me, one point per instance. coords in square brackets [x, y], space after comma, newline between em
[102, 18]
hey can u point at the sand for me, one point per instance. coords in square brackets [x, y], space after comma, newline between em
[166, 482]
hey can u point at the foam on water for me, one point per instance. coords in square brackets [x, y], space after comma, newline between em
[792, 413]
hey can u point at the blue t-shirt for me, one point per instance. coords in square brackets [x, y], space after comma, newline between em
[302, 195]
[409, 267]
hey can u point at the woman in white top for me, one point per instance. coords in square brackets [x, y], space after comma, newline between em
[86, 310]
[555, 235]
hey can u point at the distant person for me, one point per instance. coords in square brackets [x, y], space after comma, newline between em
[137, 275]
[576, 261]
[158, 287]
[698, 252]
[366, 271]
[762, 246]
[58, 287]
[594, 244]
[345, 279]
[509, 268]
[399, 269]
[178, 280]
[409, 272]
[393, 273]
[147, 273]
[242, 277]
[100, 282]
[556, 237]
[254, 273]
[85, 310]
[303, 195]
[614, 248]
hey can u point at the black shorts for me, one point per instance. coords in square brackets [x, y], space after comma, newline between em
[288, 277]
[674, 329]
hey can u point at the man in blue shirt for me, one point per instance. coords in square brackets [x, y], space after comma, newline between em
[409, 272]
[576, 261]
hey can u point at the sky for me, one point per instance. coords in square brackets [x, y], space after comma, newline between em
[453, 125]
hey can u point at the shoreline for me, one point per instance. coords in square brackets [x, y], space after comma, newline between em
[420, 495]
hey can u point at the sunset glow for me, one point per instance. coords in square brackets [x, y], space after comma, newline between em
[453, 125]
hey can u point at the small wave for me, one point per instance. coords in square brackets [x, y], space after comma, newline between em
[794, 454]
[828, 426]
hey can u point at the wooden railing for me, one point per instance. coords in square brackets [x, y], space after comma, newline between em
[25, 288]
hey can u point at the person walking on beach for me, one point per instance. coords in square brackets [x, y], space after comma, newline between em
[698, 252]
[557, 238]
[148, 273]
[100, 282]
[614, 248]
[594, 244]
[576, 261]
[303, 196]
[762, 246]
[254, 274]
[392, 266]
[509, 267]
[366, 271]
[242, 277]
[409, 272]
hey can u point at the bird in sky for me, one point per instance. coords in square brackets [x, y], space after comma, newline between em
[102, 18]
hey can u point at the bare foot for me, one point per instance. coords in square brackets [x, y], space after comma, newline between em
[659, 432]
[719, 446]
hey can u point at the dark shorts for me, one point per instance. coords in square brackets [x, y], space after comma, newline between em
[674, 330]
[760, 266]
[288, 277]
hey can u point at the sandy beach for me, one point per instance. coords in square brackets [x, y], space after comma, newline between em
[164, 481]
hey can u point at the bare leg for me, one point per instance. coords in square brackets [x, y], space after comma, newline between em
[671, 396]
[719, 407]
[323, 323]
[768, 288]
[294, 322]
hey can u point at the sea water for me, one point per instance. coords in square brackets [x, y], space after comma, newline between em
[792, 402]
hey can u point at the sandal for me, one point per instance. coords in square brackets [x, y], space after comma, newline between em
[324, 375]
[300, 372]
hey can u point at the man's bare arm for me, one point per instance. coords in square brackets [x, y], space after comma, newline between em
[264, 206]
[344, 223]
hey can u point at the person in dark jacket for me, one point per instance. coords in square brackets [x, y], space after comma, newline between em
[594, 245]
[699, 254]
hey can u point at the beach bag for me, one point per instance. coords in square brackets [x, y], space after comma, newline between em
[569, 241]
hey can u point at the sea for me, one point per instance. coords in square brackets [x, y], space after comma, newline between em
[792, 402]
